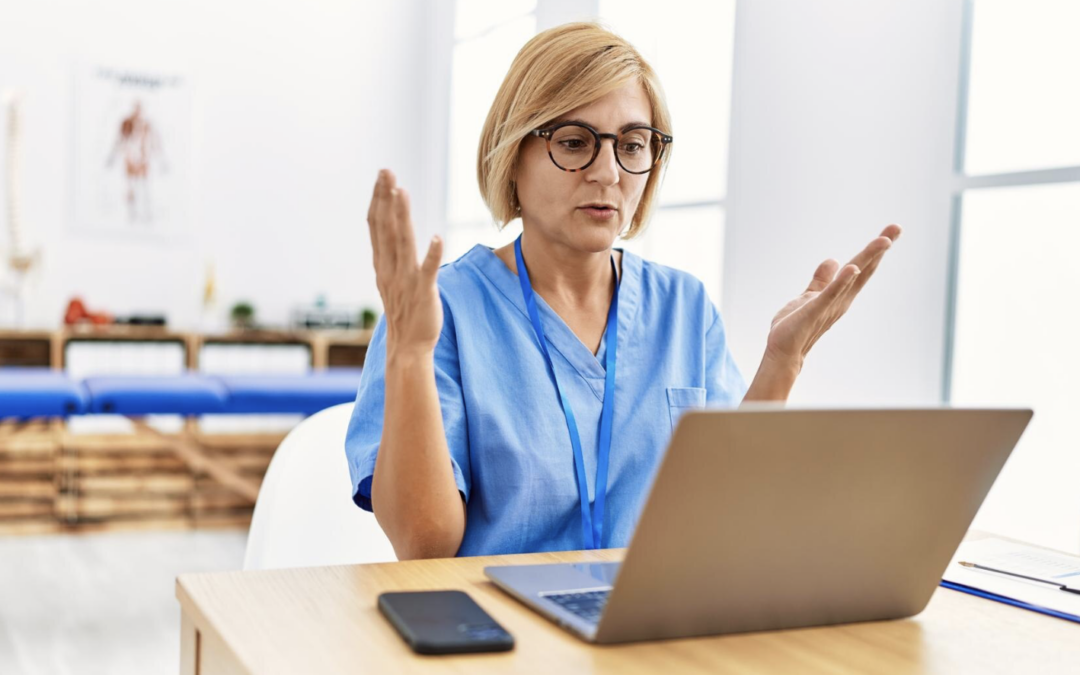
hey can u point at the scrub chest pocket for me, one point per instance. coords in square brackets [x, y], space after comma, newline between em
[681, 399]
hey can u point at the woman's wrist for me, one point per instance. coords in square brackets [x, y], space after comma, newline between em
[407, 357]
[775, 379]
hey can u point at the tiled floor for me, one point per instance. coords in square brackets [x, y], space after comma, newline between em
[103, 603]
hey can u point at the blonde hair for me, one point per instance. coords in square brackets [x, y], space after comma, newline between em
[558, 70]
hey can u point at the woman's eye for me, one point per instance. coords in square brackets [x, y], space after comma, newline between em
[632, 148]
[567, 144]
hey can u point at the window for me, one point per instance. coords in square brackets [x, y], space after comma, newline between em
[1024, 102]
[1017, 226]
[687, 227]
[487, 36]
[694, 65]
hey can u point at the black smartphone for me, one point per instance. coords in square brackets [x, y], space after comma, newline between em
[443, 622]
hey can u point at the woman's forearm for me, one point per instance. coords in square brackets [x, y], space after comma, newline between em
[413, 492]
[773, 381]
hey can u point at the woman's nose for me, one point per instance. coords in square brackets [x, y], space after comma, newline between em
[605, 168]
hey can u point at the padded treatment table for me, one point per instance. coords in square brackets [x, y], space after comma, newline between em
[28, 393]
[138, 395]
[306, 393]
[189, 394]
[39, 392]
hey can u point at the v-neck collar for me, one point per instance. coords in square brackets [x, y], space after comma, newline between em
[558, 333]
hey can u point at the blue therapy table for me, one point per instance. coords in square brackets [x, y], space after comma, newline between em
[27, 393]
[34, 393]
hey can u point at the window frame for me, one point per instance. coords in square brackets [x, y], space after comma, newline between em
[962, 182]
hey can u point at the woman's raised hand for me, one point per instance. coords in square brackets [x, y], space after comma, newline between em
[409, 290]
[801, 322]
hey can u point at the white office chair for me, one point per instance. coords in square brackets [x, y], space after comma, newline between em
[305, 515]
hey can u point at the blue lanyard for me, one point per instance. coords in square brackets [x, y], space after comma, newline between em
[592, 522]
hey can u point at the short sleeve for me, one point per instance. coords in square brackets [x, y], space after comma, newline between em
[366, 424]
[725, 386]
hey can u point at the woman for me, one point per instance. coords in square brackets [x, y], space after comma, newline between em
[550, 373]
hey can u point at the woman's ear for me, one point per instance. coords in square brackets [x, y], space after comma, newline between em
[513, 188]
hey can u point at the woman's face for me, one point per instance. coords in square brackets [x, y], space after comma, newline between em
[552, 200]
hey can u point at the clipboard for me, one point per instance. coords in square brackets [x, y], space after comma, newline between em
[1010, 601]
[1021, 559]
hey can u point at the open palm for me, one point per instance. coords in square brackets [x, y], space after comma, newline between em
[801, 322]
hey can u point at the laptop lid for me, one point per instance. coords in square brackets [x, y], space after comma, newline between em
[768, 519]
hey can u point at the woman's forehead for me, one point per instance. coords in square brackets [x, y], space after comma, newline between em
[620, 109]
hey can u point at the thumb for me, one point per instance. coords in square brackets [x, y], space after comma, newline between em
[430, 266]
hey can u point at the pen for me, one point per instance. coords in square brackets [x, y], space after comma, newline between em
[1061, 587]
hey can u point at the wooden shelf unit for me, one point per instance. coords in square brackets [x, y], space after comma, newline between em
[42, 348]
[54, 481]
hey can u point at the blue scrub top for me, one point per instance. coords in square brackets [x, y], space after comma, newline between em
[509, 445]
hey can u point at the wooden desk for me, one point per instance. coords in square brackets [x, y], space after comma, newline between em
[324, 620]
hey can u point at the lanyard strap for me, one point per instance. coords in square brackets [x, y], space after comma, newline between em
[592, 521]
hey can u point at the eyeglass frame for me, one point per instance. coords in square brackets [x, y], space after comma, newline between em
[547, 132]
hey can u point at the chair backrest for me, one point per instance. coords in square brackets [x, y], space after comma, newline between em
[305, 515]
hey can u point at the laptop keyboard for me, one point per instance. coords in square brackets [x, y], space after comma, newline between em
[588, 605]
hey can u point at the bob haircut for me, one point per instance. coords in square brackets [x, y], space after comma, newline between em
[559, 70]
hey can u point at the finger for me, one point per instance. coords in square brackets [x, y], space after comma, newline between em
[867, 272]
[825, 273]
[834, 301]
[403, 225]
[374, 196]
[844, 299]
[882, 243]
[384, 223]
[835, 289]
[372, 229]
[892, 232]
[430, 266]
[872, 249]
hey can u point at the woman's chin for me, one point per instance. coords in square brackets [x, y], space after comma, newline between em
[596, 235]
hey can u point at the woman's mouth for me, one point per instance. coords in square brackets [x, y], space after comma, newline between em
[600, 213]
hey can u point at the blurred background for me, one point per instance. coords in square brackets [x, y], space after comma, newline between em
[185, 188]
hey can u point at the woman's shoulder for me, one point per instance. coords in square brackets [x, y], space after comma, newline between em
[670, 295]
[474, 280]
[659, 279]
[464, 272]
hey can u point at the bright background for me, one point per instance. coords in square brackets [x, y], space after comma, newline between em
[803, 129]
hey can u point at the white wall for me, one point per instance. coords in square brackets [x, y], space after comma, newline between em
[295, 107]
[843, 121]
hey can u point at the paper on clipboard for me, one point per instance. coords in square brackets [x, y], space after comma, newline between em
[1022, 559]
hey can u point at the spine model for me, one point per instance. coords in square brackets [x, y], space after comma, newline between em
[18, 260]
[13, 189]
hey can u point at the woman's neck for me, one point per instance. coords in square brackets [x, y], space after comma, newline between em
[565, 277]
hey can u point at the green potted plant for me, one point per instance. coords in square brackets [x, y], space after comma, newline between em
[368, 318]
[243, 315]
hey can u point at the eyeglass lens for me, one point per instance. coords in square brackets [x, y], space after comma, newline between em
[573, 147]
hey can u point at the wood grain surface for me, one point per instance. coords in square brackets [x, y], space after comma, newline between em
[324, 620]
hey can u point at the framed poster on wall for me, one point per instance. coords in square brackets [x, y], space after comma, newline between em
[132, 146]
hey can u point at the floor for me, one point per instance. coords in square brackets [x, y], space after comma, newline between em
[101, 603]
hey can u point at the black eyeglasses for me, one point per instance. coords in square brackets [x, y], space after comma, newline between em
[573, 146]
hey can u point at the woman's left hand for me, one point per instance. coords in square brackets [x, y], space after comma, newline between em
[801, 322]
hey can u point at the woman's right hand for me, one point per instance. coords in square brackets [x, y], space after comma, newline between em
[409, 291]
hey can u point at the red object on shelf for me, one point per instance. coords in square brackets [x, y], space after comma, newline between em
[77, 313]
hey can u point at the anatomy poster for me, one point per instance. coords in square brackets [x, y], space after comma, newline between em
[132, 141]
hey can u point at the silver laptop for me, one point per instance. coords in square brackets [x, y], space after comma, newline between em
[766, 519]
